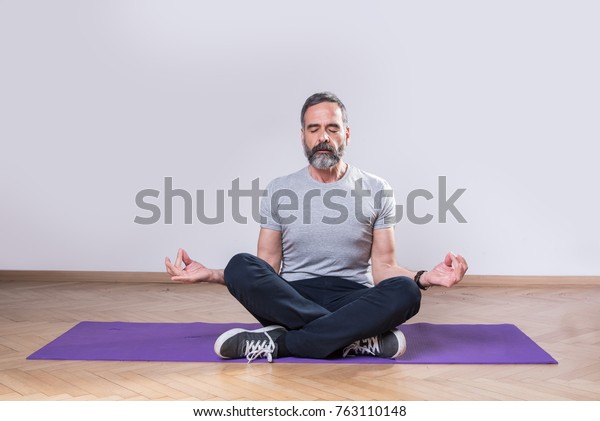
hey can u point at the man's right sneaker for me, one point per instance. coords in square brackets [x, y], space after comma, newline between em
[250, 344]
[391, 344]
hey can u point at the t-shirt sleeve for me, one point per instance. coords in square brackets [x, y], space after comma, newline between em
[385, 206]
[267, 219]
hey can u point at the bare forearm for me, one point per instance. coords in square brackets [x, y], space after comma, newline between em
[386, 271]
[217, 276]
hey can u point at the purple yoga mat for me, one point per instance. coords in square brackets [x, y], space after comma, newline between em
[193, 342]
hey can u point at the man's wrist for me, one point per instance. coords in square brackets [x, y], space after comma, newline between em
[217, 276]
[420, 281]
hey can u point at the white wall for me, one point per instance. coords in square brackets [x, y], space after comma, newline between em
[99, 100]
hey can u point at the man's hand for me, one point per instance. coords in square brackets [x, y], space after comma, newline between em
[447, 273]
[192, 272]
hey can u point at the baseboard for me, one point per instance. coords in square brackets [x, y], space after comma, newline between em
[162, 277]
[82, 276]
[515, 281]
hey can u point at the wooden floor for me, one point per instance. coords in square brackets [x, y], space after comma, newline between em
[565, 321]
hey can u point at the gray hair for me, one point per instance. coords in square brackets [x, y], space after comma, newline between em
[320, 97]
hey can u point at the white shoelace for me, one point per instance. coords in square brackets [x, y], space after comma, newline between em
[260, 348]
[363, 347]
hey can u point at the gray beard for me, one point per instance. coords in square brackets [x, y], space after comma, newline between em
[323, 161]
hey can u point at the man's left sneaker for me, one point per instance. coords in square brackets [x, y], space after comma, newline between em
[391, 344]
[250, 344]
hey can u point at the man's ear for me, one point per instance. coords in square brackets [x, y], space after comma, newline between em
[347, 135]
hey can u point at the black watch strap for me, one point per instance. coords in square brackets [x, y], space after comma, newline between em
[418, 280]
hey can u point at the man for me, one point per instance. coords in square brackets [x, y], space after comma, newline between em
[325, 282]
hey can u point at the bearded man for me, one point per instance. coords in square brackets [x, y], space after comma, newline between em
[325, 282]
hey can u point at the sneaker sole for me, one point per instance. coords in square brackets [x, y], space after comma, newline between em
[232, 332]
[401, 342]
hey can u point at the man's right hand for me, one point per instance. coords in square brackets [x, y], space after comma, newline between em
[192, 272]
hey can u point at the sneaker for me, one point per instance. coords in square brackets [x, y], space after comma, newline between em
[391, 344]
[250, 344]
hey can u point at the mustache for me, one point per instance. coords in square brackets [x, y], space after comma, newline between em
[323, 147]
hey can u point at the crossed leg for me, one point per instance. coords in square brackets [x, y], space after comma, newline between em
[324, 314]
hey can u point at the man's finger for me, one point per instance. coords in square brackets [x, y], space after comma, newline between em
[186, 258]
[454, 261]
[463, 261]
[172, 270]
[181, 279]
[459, 265]
[179, 257]
[448, 259]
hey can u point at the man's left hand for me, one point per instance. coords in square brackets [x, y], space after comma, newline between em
[447, 273]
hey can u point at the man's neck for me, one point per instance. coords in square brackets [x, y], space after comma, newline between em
[330, 175]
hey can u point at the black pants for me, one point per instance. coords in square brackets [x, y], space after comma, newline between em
[325, 314]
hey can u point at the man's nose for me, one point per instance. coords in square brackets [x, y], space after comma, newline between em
[324, 136]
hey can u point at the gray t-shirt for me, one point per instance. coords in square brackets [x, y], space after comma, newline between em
[327, 228]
